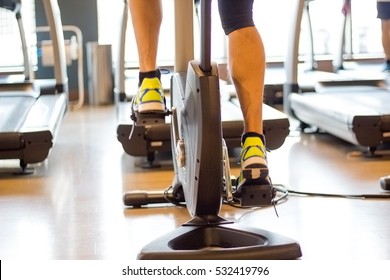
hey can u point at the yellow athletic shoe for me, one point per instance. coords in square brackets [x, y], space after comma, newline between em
[253, 160]
[150, 97]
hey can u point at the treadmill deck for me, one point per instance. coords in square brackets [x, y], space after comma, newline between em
[29, 125]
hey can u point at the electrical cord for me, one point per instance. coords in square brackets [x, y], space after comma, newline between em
[283, 192]
[334, 195]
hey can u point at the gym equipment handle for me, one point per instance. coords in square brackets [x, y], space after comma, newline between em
[139, 198]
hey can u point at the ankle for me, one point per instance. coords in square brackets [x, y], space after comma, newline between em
[150, 74]
[252, 134]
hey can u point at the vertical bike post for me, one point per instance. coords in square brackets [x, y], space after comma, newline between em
[205, 35]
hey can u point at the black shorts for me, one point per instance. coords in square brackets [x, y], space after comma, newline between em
[235, 14]
[383, 10]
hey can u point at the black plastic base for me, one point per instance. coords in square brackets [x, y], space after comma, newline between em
[149, 118]
[255, 195]
[221, 242]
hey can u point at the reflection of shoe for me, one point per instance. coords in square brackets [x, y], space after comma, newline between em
[150, 97]
[253, 160]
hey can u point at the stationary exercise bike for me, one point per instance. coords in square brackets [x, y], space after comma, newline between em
[202, 179]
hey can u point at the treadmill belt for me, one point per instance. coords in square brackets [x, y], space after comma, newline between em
[359, 115]
[14, 111]
[345, 105]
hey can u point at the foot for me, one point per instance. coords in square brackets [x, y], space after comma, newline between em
[254, 166]
[150, 97]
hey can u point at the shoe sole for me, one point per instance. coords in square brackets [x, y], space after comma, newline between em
[149, 107]
[254, 173]
[254, 168]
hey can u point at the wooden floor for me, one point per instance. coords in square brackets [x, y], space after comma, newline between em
[71, 207]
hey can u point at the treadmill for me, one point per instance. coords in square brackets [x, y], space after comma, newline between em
[31, 110]
[351, 105]
[147, 141]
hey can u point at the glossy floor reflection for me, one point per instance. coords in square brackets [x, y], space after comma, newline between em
[71, 207]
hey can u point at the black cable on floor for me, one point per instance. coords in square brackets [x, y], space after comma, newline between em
[352, 196]
[285, 191]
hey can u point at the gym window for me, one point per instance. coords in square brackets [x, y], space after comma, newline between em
[11, 56]
[272, 19]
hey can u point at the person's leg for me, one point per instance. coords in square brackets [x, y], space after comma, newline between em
[385, 24]
[146, 18]
[383, 9]
[247, 67]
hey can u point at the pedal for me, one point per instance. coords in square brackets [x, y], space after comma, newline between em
[150, 118]
[255, 194]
